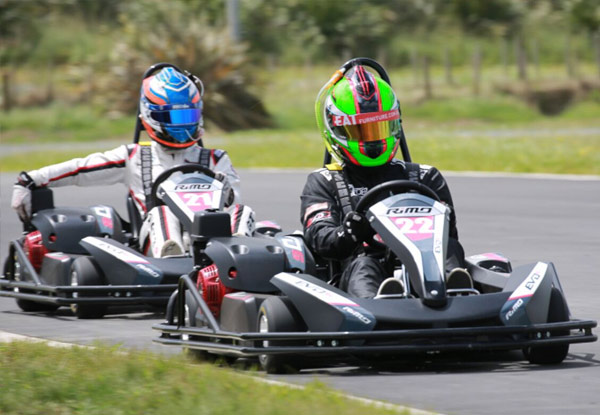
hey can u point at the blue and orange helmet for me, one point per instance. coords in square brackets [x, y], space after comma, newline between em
[171, 109]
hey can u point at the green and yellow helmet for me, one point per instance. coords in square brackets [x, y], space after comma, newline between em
[359, 117]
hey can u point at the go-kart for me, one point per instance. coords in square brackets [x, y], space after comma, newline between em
[239, 303]
[88, 258]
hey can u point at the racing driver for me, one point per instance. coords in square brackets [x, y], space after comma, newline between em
[364, 152]
[170, 110]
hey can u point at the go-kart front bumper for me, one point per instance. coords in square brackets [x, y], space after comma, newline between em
[212, 338]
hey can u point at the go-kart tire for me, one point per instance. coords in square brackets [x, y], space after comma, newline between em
[551, 355]
[32, 306]
[278, 314]
[85, 271]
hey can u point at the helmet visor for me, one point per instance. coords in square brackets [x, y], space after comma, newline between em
[374, 131]
[177, 116]
[366, 127]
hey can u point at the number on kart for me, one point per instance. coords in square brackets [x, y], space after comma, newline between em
[197, 201]
[415, 228]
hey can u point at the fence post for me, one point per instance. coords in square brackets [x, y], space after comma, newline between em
[6, 97]
[427, 78]
[477, 69]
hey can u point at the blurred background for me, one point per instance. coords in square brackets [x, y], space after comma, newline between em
[503, 85]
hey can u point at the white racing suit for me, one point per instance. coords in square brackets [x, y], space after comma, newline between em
[124, 165]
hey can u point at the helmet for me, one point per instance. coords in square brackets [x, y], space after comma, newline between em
[359, 116]
[171, 109]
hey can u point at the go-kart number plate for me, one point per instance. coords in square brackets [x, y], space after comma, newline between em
[415, 229]
[197, 201]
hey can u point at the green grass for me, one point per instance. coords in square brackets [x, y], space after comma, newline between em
[38, 379]
[61, 123]
[447, 149]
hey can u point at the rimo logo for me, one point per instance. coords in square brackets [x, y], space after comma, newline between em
[409, 210]
[513, 309]
[357, 314]
[148, 270]
[192, 187]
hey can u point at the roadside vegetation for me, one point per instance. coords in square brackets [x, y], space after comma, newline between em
[500, 85]
[38, 379]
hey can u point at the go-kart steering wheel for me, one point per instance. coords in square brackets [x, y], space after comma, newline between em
[393, 187]
[182, 168]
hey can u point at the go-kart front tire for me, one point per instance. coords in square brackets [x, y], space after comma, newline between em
[84, 271]
[278, 314]
[551, 355]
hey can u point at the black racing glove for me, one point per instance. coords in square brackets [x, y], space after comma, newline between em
[358, 227]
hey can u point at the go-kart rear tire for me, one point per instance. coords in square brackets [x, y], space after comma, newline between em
[85, 271]
[277, 314]
[551, 355]
[32, 306]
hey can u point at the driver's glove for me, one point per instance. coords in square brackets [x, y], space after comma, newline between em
[21, 197]
[228, 193]
[357, 226]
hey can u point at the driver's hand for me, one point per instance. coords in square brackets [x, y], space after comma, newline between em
[357, 226]
[21, 197]
[228, 193]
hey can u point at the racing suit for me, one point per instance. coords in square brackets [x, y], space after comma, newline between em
[322, 214]
[124, 165]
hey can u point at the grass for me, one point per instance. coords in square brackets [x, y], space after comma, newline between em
[38, 379]
[61, 123]
[448, 149]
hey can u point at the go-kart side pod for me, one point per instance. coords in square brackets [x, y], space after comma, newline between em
[121, 265]
[322, 306]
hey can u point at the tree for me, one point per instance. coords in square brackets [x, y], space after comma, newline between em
[585, 14]
[190, 42]
[486, 18]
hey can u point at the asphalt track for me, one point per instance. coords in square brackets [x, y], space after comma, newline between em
[524, 218]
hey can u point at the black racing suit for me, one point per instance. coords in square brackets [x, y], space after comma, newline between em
[322, 215]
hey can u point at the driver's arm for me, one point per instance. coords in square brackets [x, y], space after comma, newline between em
[432, 178]
[223, 164]
[95, 169]
[321, 218]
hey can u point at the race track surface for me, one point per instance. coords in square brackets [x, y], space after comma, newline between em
[526, 219]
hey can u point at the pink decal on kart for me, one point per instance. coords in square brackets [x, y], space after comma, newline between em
[196, 201]
[495, 257]
[298, 255]
[414, 228]
[107, 222]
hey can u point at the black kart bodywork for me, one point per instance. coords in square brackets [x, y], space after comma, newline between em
[89, 258]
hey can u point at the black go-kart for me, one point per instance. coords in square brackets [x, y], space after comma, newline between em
[240, 302]
[88, 258]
